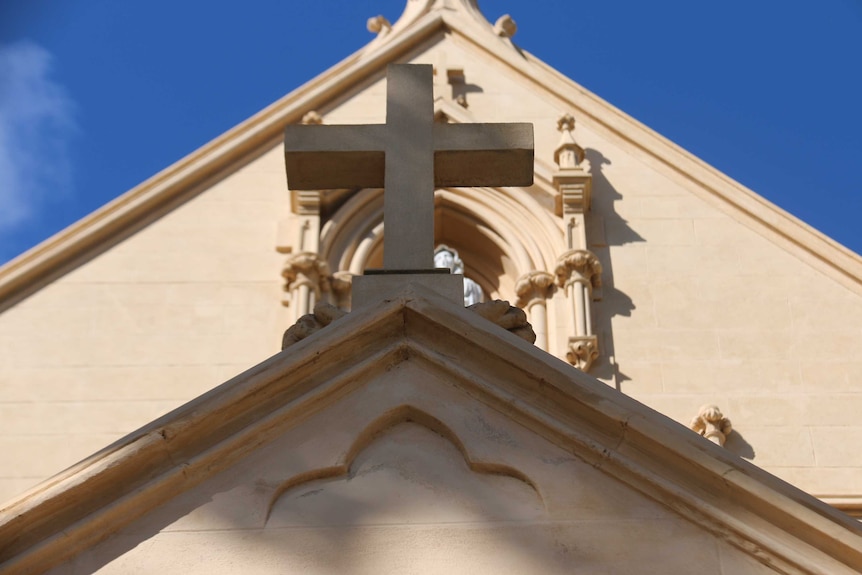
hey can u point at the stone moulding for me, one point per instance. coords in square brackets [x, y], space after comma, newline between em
[730, 498]
[388, 420]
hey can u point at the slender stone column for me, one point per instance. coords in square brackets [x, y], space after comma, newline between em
[533, 289]
[306, 279]
[578, 273]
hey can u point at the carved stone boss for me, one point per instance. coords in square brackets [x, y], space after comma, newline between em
[408, 156]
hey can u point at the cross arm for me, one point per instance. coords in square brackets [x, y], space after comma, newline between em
[483, 155]
[333, 157]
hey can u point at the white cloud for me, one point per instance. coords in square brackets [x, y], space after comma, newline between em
[36, 125]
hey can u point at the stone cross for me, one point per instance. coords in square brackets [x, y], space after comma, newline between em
[409, 156]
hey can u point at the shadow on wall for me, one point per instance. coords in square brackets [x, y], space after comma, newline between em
[409, 496]
[601, 221]
[737, 445]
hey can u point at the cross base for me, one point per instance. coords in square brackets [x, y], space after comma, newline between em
[375, 285]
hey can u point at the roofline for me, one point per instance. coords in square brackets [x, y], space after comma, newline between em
[177, 183]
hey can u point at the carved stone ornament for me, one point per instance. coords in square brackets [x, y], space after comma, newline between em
[534, 285]
[568, 154]
[324, 314]
[312, 118]
[306, 268]
[505, 26]
[378, 25]
[576, 265]
[583, 351]
[712, 424]
[506, 316]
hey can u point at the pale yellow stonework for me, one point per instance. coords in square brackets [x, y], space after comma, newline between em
[707, 294]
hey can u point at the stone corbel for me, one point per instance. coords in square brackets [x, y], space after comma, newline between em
[306, 278]
[712, 424]
[583, 351]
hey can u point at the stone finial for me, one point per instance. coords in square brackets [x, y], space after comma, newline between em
[535, 285]
[583, 351]
[510, 318]
[579, 264]
[712, 424]
[568, 154]
[312, 118]
[505, 26]
[378, 25]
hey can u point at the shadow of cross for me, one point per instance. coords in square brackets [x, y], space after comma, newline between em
[408, 157]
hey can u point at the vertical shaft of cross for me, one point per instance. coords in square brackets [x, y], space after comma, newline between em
[408, 205]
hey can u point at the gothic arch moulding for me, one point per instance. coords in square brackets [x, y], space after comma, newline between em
[501, 233]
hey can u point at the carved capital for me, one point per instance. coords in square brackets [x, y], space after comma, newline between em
[308, 269]
[712, 424]
[579, 265]
[532, 286]
[583, 351]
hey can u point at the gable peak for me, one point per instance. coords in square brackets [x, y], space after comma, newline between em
[415, 10]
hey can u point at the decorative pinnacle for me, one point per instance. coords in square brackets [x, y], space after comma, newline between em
[568, 153]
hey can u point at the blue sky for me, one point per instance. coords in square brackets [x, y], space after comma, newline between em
[98, 95]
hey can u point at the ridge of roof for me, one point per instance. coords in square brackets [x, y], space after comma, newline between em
[729, 497]
[177, 183]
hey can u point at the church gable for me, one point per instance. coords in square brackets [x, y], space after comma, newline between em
[634, 261]
[386, 438]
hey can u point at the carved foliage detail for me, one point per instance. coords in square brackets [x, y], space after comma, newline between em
[583, 351]
[306, 268]
[712, 424]
[535, 285]
[577, 265]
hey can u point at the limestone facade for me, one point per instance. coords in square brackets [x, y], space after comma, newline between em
[698, 291]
